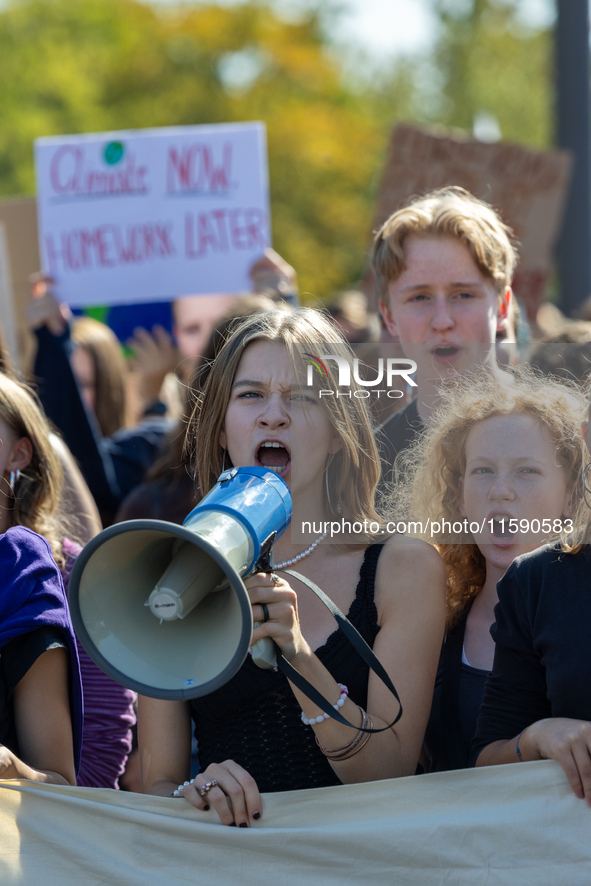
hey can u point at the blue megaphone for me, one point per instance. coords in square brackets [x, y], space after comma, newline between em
[163, 608]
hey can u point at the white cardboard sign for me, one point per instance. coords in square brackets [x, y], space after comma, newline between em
[149, 215]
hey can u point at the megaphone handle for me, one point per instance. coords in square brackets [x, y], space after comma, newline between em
[264, 652]
[264, 563]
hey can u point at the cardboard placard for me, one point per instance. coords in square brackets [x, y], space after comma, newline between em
[8, 325]
[19, 258]
[528, 188]
[149, 215]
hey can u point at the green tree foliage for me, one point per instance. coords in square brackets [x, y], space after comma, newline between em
[488, 60]
[69, 66]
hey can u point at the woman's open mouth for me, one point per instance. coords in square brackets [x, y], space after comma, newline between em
[445, 352]
[274, 456]
[502, 530]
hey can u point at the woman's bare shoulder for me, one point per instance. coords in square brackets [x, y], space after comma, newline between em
[402, 549]
[410, 570]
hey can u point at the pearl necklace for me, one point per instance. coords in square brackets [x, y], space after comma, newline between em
[302, 555]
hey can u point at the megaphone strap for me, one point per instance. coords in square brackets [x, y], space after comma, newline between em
[357, 641]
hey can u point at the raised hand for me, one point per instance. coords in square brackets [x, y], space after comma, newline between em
[154, 356]
[272, 272]
[44, 309]
[280, 618]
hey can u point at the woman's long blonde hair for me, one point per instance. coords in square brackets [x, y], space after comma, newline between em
[429, 473]
[582, 511]
[353, 472]
[35, 500]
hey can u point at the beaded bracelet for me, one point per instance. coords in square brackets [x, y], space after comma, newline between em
[179, 791]
[202, 790]
[312, 721]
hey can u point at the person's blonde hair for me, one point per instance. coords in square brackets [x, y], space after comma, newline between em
[353, 472]
[5, 358]
[35, 500]
[430, 471]
[447, 212]
[582, 513]
[110, 370]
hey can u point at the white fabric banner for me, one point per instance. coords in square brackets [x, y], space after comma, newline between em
[515, 825]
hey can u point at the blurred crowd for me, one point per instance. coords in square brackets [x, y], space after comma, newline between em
[483, 630]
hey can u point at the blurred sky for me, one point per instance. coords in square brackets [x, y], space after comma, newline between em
[387, 28]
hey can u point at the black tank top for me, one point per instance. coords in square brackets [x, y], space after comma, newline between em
[458, 694]
[255, 719]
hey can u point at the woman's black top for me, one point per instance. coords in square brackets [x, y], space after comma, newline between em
[542, 664]
[459, 689]
[255, 719]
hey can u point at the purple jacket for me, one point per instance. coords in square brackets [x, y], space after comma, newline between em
[32, 596]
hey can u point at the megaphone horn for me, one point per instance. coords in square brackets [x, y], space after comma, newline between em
[162, 608]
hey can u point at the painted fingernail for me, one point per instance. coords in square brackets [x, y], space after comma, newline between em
[232, 824]
[243, 824]
[256, 816]
[581, 795]
[206, 808]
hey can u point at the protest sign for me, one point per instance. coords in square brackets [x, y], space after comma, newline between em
[8, 327]
[19, 258]
[149, 215]
[527, 187]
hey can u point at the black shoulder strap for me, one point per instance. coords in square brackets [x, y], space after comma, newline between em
[359, 644]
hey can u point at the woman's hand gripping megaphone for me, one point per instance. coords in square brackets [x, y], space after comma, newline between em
[264, 650]
[275, 614]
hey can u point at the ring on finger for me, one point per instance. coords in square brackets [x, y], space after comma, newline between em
[275, 579]
[265, 609]
[206, 788]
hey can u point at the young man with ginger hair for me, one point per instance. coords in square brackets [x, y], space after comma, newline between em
[443, 264]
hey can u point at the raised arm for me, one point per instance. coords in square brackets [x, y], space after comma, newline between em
[410, 598]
